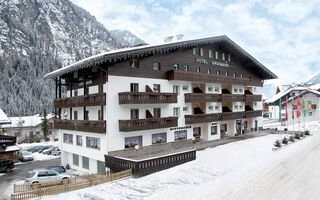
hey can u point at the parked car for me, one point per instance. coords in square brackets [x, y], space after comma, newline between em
[32, 149]
[59, 169]
[25, 156]
[44, 148]
[47, 151]
[6, 165]
[55, 151]
[46, 176]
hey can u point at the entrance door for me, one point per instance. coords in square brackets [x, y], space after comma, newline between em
[197, 132]
[238, 126]
[255, 125]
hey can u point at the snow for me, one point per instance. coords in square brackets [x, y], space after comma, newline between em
[39, 156]
[12, 148]
[220, 173]
[3, 117]
[26, 121]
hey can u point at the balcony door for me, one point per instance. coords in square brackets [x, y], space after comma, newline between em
[238, 126]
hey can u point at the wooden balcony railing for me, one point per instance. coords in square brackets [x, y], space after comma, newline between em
[232, 97]
[95, 126]
[231, 115]
[250, 97]
[146, 97]
[202, 77]
[253, 113]
[96, 99]
[201, 97]
[147, 124]
[202, 118]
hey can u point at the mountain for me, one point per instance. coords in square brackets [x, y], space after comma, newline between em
[315, 79]
[126, 38]
[37, 37]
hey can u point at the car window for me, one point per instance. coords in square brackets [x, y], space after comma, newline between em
[30, 174]
[52, 173]
[42, 173]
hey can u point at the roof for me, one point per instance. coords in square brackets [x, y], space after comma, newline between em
[12, 148]
[3, 118]
[26, 121]
[283, 93]
[302, 94]
[117, 55]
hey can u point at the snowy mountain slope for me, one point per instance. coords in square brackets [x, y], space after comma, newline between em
[315, 79]
[37, 37]
[126, 37]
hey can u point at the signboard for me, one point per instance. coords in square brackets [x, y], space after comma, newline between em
[204, 61]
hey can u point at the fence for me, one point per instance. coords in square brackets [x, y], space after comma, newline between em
[28, 191]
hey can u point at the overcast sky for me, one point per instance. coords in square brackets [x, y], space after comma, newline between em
[284, 35]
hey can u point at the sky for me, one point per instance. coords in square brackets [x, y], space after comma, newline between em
[281, 34]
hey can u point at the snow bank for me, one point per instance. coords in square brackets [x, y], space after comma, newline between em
[28, 145]
[40, 156]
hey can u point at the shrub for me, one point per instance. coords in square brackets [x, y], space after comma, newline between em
[291, 138]
[277, 143]
[307, 132]
[285, 140]
[296, 136]
[302, 134]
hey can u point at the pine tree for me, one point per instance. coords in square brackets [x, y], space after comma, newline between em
[45, 125]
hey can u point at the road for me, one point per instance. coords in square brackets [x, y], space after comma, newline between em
[19, 172]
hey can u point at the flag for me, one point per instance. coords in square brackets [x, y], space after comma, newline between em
[304, 109]
[292, 111]
[280, 109]
[299, 106]
[287, 109]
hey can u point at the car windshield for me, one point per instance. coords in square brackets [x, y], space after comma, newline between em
[26, 153]
[30, 174]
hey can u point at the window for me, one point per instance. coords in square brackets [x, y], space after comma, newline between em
[156, 112]
[198, 69]
[223, 56]
[79, 140]
[42, 173]
[85, 162]
[240, 90]
[235, 90]
[210, 54]
[214, 130]
[210, 89]
[180, 135]
[75, 115]
[241, 106]
[310, 102]
[255, 104]
[235, 106]
[176, 89]
[254, 89]
[310, 114]
[156, 87]
[186, 68]
[185, 88]
[75, 93]
[134, 63]
[218, 72]
[229, 57]
[176, 66]
[67, 138]
[156, 66]
[234, 74]
[226, 73]
[134, 87]
[176, 111]
[201, 51]
[195, 51]
[52, 173]
[75, 159]
[209, 71]
[217, 107]
[130, 142]
[216, 89]
[186, 109]
[216, 55]
[159, 138]
[93, 142]
[134, 113]
[210, 108]
[75, 74]
[101, 167]
[94, 69]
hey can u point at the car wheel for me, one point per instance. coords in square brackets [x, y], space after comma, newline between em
[8, 170]
[65, 181]
[35, 185]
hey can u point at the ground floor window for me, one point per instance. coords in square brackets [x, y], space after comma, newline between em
[132, 141]
[75, 159]
[67, 138]
[85, 162]
[101, 167]
[223, 128]
[214, 130]
[93, 142]
[180, 135]
[197, 132]
[159, 138]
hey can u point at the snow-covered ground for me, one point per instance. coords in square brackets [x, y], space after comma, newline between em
[217, 173]
[39, 156]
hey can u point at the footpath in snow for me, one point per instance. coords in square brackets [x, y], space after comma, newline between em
[247, 169]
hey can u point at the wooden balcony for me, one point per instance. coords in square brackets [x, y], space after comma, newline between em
[231, 116]
[97, 99]
[95, 126]
[201, 97]
[146, 97]
[147, 124]
[202, 118]
[250, 97]
[253, 113]
[232, 97]
[208, 78]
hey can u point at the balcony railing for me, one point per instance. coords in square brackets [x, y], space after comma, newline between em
[250, 97]
[231, 115]
[202, 118]
[146, 97]
[232, 97]
[96, 99]
[147, 124]
[202, 77]
[201, 97]
[97, 126]
[253, 113]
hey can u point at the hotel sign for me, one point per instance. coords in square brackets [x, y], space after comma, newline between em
[204, 61]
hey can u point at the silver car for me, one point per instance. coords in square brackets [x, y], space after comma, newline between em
[25, 156]
[46, 176]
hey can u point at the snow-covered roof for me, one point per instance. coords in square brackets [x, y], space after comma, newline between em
[315, 87]
[26, 121]
[120, 54]
[12, 148]
[283, 93]
[3, 118]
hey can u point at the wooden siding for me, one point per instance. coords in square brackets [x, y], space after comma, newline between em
[146, 97]
[147, 124]
[95, 126]
[97, 99]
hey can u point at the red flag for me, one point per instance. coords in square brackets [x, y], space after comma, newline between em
[299, 106]
[287, 109]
